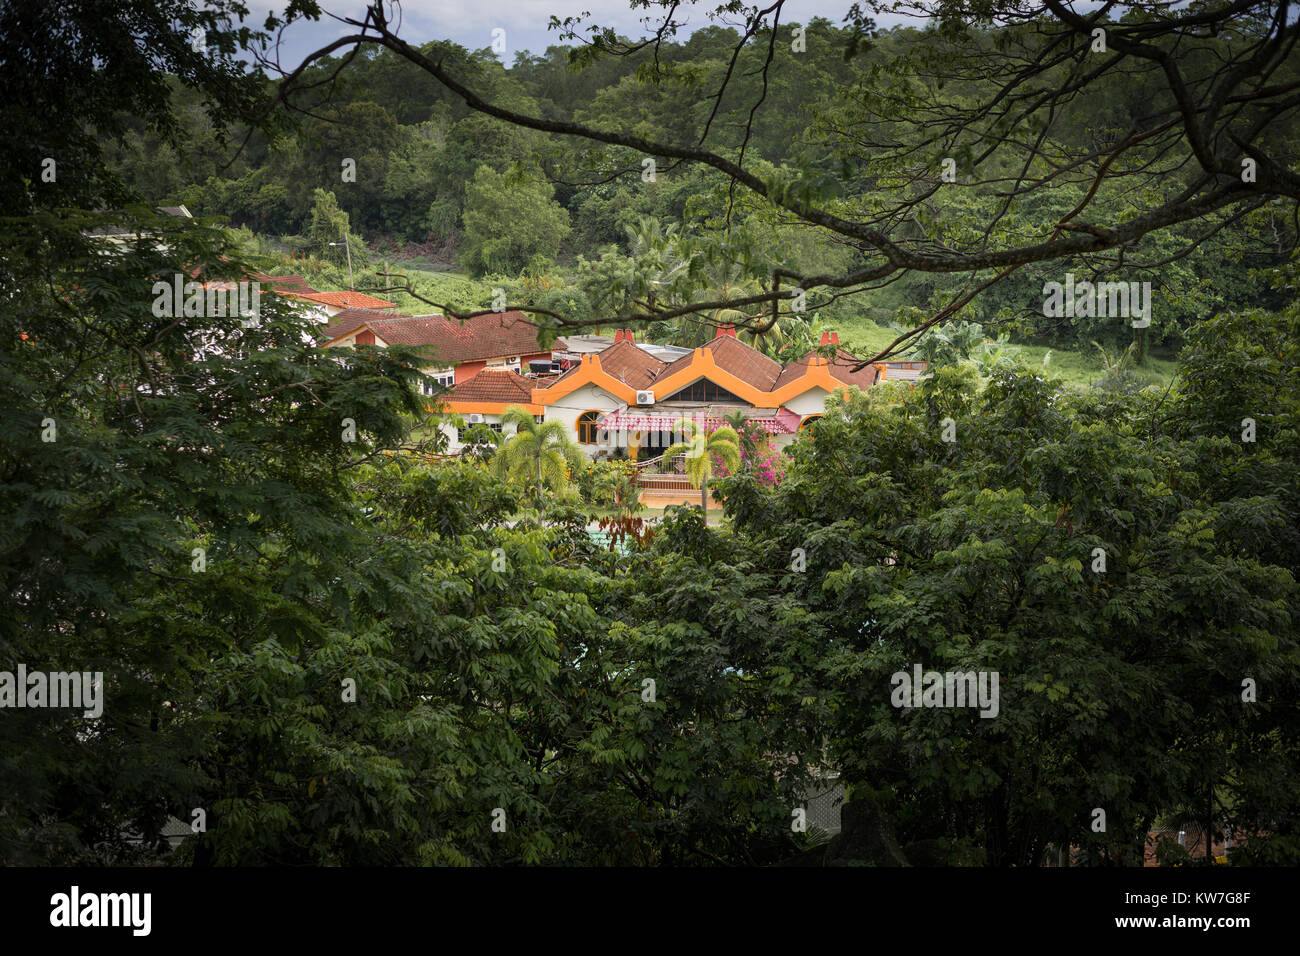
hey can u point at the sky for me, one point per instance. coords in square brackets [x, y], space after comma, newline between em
[471, 22]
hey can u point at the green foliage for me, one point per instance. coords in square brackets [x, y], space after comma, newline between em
[508, 223]
[329, 235]
[539, 457]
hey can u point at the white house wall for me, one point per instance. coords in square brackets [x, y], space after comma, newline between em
[586, 399]
[811, 402]
[454, 444]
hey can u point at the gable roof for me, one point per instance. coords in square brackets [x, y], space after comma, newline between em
[452, 341]
[840, 366]
[743, 361]
[631, 364]
[349, 320]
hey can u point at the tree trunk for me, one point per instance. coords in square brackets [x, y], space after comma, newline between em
[1209, 825]
[704, 498]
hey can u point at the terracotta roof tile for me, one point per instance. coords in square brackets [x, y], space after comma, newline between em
[841, 368]
[743, 361]
[495, 335]
[494, 385]
[631, 365]
[350, 320]
[355, 300]
[842, 365]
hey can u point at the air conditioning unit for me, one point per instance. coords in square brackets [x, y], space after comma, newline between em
[645, 398]
[476, 419]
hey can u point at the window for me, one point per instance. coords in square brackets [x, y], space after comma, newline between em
[706, 391]
[436, 381]
[587, 429]
[807, 423]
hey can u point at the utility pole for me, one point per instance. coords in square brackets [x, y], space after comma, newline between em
[346, 244]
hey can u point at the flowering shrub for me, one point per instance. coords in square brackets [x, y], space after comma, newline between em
[757, 457]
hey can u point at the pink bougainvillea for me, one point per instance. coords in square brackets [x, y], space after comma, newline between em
[765, 464]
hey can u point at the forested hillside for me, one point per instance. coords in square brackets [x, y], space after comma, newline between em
[435, 179]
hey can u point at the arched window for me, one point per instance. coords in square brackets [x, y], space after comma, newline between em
[587, 429]
[807, 423]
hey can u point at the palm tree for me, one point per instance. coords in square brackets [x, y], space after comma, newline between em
[737, 420]
[541, 452]
[700, 449]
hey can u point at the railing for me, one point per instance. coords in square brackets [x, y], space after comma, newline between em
[651, 476]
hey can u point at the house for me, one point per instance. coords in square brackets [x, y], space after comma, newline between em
[458, 349]
[627, 397]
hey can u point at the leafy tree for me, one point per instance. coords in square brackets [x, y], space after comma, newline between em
[1122, 565]
[507, 223]
[870, 173]
[480, 442]
[328, 230]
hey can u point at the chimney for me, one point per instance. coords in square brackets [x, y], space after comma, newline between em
[835, 338]
[618, 336]
[728, 329]
[628, 337]
[826, 338]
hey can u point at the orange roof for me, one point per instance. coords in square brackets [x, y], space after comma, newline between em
[630, 364]
[840, 366]
[725, 361]
[349, 320]
[344, 300]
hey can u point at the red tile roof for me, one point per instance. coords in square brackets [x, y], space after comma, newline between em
[743, 361]
[349, 320]
[345, 300]
[494, 385]
[452, 341]
[631, 365]
[841, 367]
[290, 283]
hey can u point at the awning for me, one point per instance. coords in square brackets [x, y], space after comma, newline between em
[785, 422]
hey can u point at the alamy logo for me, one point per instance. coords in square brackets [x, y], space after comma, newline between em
[1124, 300]
[953, 689]
[213, 300]
[53, 689]
[102, 909]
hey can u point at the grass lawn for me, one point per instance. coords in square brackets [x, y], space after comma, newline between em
[1082, 368]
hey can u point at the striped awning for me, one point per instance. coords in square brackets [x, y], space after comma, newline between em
[785, 422]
